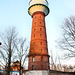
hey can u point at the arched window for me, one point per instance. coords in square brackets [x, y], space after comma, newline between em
[42, 66]
[41, 58]
[40, 29]
[33, 59]
[40, 35]
[40, 16]
[35, 16]
[34, 22]
[34, 29]
[40, 43]
[41, 50]
[40, 22]
[34, 35]
[34, 43]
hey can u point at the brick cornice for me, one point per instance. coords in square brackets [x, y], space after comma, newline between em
[34, 54]
[38, 12]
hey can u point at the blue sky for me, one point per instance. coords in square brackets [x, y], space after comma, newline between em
[15, 12]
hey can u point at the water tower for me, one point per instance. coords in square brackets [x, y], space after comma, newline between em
[38, 54]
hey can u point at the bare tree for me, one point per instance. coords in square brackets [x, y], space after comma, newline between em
[70, 68]
[7, 48]
[53, 61]
[67, 43]
[22, 52]
[65, 68]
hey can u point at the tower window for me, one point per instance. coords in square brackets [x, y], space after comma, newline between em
[41, 50]
[33, 59]
[33, 42]
[40, 22]
[40, 43]
[35, 16]
[32, 50]
[34, 22]
[34, 35]
[41, 58]
[32, 67]
[40, 16]
[40, 35]
[41, 66]
[40, 29]
[34, 29]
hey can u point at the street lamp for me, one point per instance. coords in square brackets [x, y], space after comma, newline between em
[0, 43]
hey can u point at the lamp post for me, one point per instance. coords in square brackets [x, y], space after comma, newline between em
[0, 43]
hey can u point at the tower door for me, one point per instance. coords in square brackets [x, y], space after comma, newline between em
[32, 67]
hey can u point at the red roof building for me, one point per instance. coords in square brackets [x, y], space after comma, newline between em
[15, 66]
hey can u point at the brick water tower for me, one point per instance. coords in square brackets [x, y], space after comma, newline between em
[38, 54]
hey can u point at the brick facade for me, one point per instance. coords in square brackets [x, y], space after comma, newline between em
[38, 54]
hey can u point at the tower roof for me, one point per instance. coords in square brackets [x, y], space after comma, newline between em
[33, 2]
[38, 5]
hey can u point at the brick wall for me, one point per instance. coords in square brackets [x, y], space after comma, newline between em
[38, 54]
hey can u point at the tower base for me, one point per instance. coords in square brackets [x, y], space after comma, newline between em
[37, 72]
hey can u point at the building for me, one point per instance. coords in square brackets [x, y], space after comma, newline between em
[38, 54]
[15, 67]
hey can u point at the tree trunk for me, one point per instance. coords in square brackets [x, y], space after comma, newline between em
[20, 68]
[9, 61]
